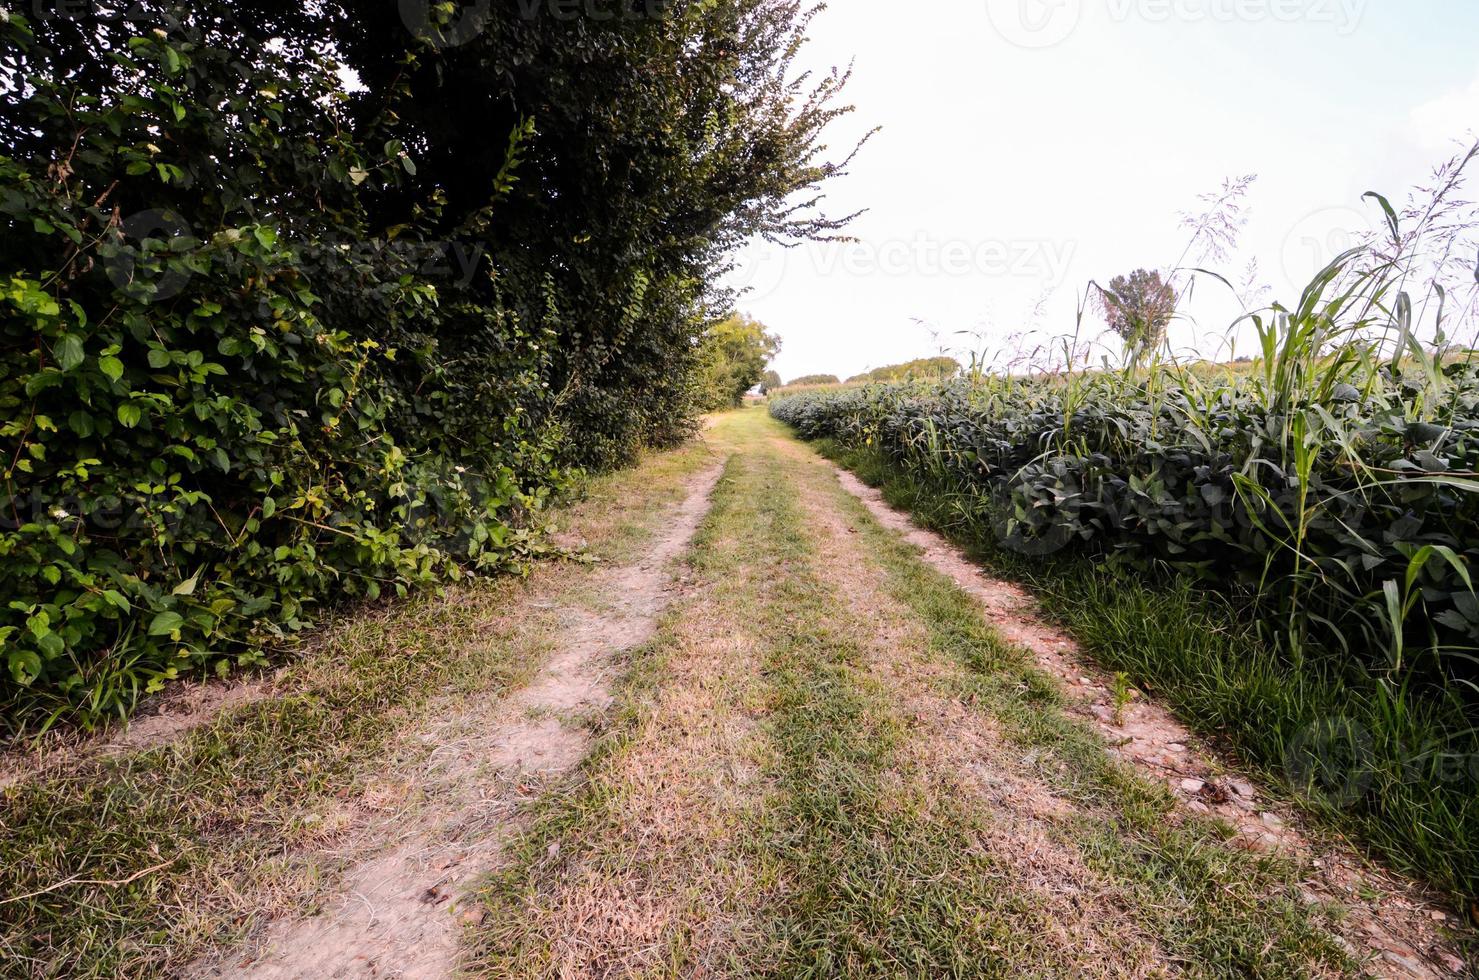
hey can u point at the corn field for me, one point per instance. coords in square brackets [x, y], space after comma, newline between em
[1334, 481]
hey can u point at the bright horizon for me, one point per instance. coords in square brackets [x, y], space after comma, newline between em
[1030, 146]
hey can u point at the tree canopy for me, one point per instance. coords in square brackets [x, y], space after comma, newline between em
[922, 369]
[734, 352]
[1139, 308]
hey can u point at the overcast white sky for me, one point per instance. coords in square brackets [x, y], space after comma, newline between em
[1029, 146]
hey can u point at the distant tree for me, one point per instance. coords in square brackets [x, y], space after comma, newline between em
[923, 369]
[733, 355]
[815, 379]
[769, 382]
[1139, 308]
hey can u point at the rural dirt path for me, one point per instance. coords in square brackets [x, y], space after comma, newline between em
[396, 911]
[855, 754]
[772, 729]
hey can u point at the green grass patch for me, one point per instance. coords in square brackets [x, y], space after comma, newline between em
[1410, 797]
[879, 888]
[1217, 910]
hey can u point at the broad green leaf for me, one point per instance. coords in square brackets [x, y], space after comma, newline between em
[25, 666]
[166, 623]
[69, 353]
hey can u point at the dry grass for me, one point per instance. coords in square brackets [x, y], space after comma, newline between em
[822, 768]
[648, 864]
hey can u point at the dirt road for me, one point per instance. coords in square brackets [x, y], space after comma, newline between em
[772, 729]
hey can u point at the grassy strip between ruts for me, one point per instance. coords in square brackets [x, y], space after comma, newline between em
[1216, 909]
[1193, 650]
[884, 880]
[131, 865]
[857, 872]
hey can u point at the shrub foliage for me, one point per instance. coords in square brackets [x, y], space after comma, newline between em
[1327, 495]
[923, 369]
[272, 339]
[1330, 481]
[1338, 516]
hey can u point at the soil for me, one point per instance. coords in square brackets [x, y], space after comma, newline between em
[398, 911]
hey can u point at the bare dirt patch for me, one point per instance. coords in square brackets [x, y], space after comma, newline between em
[660, 872]
[1391, 922]
[396, 912]
[162, 720]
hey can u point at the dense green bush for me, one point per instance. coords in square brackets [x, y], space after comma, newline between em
[807, 380]
[1282, 554]
[1340, 517]
[1384, 761]
[1281, 548]
[229, 406]
[271, 340]
[1329, 482]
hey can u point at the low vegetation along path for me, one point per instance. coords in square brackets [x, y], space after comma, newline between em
[771, 728]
